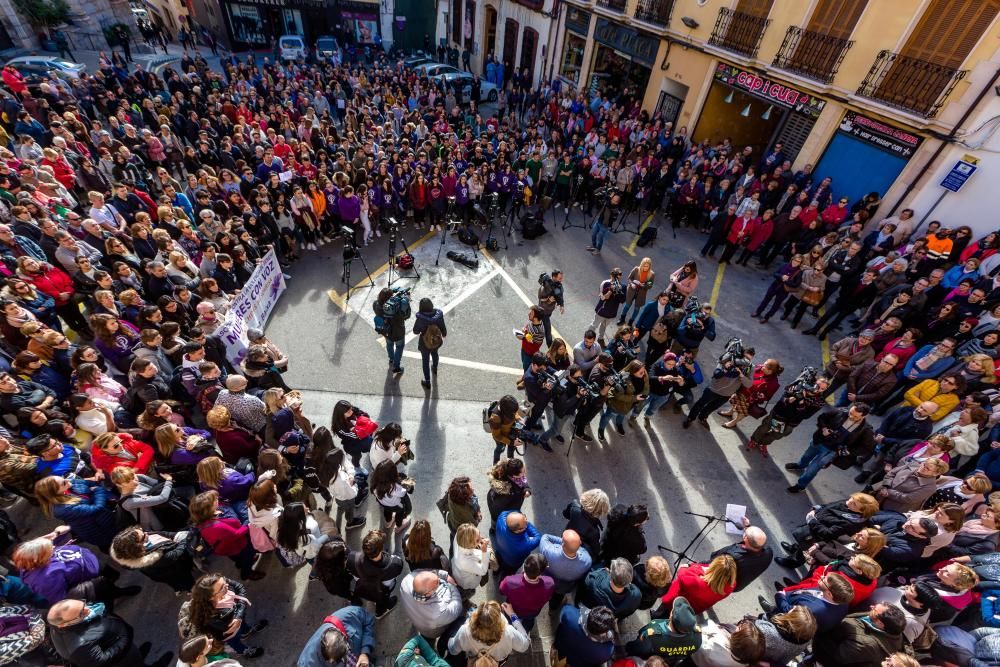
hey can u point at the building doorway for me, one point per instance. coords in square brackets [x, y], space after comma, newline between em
[529, 46]
[490, 44]
[510, 30]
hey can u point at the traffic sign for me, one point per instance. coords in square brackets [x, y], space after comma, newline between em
[955, 179]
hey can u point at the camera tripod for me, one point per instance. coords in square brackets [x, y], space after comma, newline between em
[574, 191]
[626, 216]
[393, 237]
[351, 252]
[696, 541]
[492, 213]
[507, 226]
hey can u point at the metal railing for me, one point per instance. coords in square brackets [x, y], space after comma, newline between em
[616, 5]
[656, 12]
[739, 32]
[911, 84]
[812, 54]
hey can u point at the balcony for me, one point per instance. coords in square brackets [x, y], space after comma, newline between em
[614, 5]
[811, 54]
[656, 12]
[910, 84]
[738, 32]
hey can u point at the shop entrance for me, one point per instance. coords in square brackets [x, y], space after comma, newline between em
[490, 20]
[747, 120]
[612, 72]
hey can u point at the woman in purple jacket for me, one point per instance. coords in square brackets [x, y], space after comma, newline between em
[349, 207]
[232, 486]
[55, 570]
[462, 198]
[436, 200]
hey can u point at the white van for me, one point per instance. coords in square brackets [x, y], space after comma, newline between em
[291, 47]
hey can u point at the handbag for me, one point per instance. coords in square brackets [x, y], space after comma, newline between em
[364, 427]
[659, 332]
[812, 298]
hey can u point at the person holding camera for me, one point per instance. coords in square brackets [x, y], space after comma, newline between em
[732, 372]
[502, 423]
[567, 395]
[612, 296]
[391, 309]
[801, 400]
[693, 328]
[600, 376]
[550, 295]
[628, 393]
[538, 384]
[388, 444]
[531, 336]
[640, 281]
[431, 331]
[604, 223]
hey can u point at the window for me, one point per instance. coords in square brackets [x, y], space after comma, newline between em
[572, 58]
[949, 29]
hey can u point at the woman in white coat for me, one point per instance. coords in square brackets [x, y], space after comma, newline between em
[471, 560]
[487, 632]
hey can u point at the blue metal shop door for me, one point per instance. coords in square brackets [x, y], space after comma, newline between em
[857, 167]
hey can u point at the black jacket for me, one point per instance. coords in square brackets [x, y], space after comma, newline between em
[588, 527]
[371, 574]
[749, 564]
[834, 519]
[623, 538]
[219, 622]
[854, 643]
[101, 642]
[169, 563]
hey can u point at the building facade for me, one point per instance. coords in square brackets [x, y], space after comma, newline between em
[839, 83]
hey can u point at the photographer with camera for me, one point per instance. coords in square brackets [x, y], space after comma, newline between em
[732, 372]
[612, 296]
[696, 325]
[629, 391]
[538, 384]
[550, 295]
[599, 382]
[392, 309]
[801, 400]
[567, 395]
[605, 221]
[665, 381]
[503, 427]
[531, 337]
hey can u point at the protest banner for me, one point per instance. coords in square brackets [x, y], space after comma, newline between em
[252, 307]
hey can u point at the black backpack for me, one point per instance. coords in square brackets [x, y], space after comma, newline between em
[647, 237]
[531, 227]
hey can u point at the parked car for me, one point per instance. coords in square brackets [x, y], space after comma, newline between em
[292, 47]
[64, 68]
[418, 58]
[435, 69]
[461, 82]
[327, 49]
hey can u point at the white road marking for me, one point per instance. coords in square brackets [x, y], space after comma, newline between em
[463, 295]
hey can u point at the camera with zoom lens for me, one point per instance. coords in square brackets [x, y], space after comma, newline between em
[804, 384]
[735, 353]
[618, 381]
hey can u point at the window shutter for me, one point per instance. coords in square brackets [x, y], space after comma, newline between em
[949, 29]
[836, 18]
[758, 8]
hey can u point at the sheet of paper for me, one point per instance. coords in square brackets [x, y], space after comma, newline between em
[285, 176]
[735, 514]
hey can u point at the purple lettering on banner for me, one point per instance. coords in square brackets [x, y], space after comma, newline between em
[252, 306]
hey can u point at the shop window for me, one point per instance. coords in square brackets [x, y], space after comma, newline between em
[572, 58]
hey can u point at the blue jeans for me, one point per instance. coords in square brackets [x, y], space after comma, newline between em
[394, 349]
[814, 459]
[654, 403]
[842, 401]
[426, 356]
[525, 360]
[607, 416]
[556, 427]
[598, 233]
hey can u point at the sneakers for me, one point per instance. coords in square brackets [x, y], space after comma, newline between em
[560, 438]
[252, 652]
[356, 522]
[793, 466]
[586, 438]
[601, 436]
[310, 246]
[620, 429]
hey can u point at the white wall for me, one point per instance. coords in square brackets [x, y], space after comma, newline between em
[978, 202]
[526, 18]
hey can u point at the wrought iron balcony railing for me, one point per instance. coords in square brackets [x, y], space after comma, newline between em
[812, 54]
[739, 32]
[616, 5]
[911, 84]
[656, 12]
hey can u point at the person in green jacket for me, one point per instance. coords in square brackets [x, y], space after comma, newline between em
[419, 653]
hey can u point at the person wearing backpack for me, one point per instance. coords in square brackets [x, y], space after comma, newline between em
[487, 638]
[392, 309]
[430, 328]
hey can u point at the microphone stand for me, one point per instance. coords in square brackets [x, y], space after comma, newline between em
[695, 542]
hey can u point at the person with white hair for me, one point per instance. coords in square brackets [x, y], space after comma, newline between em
[584, 516]
[752, 555]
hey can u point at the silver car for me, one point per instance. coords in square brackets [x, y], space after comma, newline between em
[461, 82]
[65, 68]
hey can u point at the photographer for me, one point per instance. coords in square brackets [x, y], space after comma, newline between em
[834, 428]
[502, 423]
[599, 378]
[604, 223]
[693, 329]
[538, 384]
[732, 372]
[626, 397]
[665, 380]
[612, 295]
[550, 295]
[567, 395]
[393, 307]
[388, 444]
[801, 400]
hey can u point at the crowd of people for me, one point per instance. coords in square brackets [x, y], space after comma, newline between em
[135, 207]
